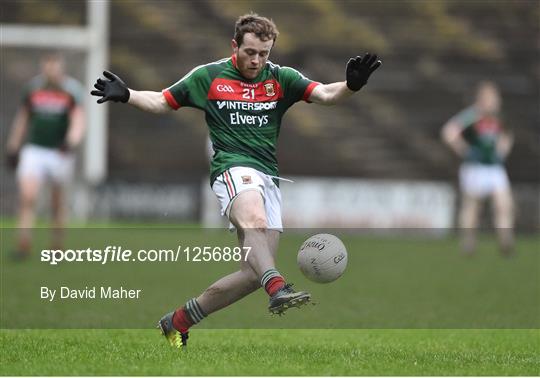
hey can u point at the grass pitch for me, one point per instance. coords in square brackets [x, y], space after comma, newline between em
[272, 352]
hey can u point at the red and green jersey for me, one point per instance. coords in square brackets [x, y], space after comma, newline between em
[49, 107]
[243, 116]
[481, 133]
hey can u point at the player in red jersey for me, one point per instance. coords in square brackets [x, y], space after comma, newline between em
[244, 98]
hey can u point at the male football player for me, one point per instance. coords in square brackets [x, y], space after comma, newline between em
[48, 126]
[244, 98]
[477, 135]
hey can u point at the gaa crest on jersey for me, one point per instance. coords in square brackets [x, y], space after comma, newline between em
[246, 180]
[269, 88]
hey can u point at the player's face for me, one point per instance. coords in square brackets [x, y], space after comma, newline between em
[53, 69]
[488, 99]
[251, 55]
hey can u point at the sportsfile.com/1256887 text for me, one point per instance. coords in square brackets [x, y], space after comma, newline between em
[120, 254]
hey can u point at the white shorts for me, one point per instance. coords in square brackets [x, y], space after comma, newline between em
[45, 164]
[239, 179]
[480, 180]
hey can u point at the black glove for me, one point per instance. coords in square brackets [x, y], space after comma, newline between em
[359, 69]
[113, 89]
[12, 159]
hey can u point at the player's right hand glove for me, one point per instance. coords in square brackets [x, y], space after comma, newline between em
[113, 89]
[12, 159]
[359, 69]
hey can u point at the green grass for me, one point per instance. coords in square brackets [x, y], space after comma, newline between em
[272, 352]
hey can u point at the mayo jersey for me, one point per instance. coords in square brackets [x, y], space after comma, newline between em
[481, 133]
[49, 108]
[243, 116]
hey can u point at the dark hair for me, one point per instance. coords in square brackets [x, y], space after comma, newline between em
[262, 27]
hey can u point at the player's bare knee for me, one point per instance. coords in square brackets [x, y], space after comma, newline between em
[27, 202]
[259, 224]
[468, 219]
[247, 208]
[503, 206]
[255, 222]
[504, 219]
[468, 216]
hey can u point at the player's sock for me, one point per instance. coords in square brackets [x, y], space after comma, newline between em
[272, 281]
[181, 321]
[188, 315]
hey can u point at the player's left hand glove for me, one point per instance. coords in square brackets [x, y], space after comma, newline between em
[113, 89]
[359, 69]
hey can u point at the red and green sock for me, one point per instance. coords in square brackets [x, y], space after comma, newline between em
[272, 281]
[191, 313]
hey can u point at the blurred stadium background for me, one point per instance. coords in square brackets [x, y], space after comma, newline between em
[380, 150]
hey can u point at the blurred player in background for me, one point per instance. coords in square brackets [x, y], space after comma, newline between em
[48, 126]
[477, 135]
[244, 98]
